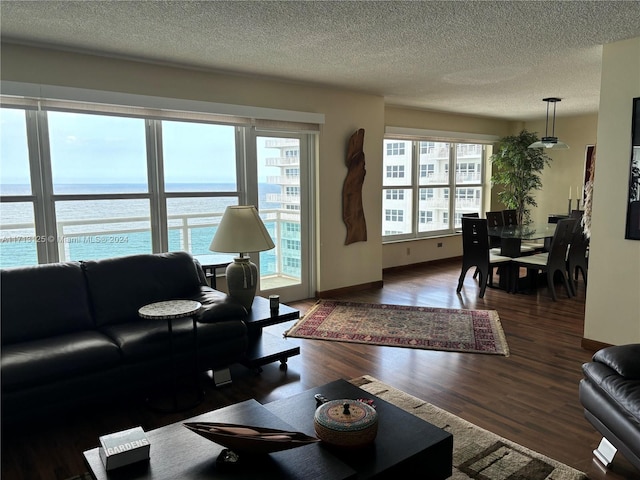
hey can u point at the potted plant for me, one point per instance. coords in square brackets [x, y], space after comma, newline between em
[517, 169]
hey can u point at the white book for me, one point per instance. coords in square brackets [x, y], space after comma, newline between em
[123, 448]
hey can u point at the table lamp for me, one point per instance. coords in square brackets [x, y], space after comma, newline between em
[241, 230]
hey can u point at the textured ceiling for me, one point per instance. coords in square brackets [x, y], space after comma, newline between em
[488, 58]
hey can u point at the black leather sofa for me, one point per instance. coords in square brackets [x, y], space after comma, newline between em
[71, 332]
[610, 394]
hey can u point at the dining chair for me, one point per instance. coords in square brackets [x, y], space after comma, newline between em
[496, 219]
[578, 256]
[472, 215]
[510, 217]
[475, 253]
[552, 262]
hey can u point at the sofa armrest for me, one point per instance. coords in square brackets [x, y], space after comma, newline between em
[221, 311]
[217, 306]
[624, 359]
[201, 274]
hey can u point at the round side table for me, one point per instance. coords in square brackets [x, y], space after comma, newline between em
[170, 310]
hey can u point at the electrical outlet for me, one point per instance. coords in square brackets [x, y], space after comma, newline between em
[439, 244]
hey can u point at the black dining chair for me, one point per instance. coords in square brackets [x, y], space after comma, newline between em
[552, 262]
[497, 219]
[472, 215]
[510, 217]
[475, 253]
[494, 219]
[578, 256]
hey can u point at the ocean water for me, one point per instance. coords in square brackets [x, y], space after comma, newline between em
[93, 229]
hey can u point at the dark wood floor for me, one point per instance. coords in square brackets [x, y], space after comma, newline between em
[530, 397]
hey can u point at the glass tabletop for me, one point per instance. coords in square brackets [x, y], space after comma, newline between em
[532, 231]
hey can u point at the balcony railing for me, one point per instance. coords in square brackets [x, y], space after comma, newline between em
[281, 142]
[129, 235]
[282, 161]
[282, 198]
[284, 180]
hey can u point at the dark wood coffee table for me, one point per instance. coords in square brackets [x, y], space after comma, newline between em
[405, 445]
[178, 453]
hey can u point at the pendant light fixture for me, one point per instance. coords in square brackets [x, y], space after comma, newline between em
[550, 141]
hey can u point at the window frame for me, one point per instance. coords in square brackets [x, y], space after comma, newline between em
[43, 198]
[421, 144]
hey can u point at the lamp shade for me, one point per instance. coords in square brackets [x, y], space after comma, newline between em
[549, 142]
[241, 230]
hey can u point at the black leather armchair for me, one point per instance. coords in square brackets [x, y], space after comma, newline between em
[610, 394]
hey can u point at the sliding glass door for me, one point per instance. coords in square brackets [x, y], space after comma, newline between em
[283, 203]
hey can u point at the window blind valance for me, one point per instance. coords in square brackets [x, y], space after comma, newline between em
[403, 133]
[69, 99]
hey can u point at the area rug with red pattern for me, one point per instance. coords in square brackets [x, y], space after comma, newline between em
[428, 328]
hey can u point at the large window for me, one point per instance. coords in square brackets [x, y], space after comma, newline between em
[89, 182]
[18, 245]
[109, 185]
[417, 186]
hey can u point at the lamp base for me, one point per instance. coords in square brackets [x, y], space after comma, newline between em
[242, 280]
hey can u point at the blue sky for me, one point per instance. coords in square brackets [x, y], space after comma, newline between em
[103, 149]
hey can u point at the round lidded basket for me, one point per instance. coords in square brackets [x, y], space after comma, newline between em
[346, 423]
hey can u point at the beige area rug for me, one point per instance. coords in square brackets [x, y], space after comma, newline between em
[477, 453]
[473, 331]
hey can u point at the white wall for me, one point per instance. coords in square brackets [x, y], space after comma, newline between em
[567, 166]
[612, 312]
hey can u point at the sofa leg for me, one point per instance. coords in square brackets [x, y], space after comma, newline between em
[221, 377]
[605, 452]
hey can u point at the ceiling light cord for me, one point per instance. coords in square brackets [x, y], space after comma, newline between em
[546, 126]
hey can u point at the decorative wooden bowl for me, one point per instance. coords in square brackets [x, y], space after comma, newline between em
[248, 439]
[346, 423]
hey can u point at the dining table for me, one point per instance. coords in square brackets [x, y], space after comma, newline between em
[511, 236]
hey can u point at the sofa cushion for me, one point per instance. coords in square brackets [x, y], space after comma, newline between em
[220, 332]
[146, 339]
[118, 287]
[42, 301]
[47, 360]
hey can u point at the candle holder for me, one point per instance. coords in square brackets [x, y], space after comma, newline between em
[569, 211]
[578, 205]
[274, 303]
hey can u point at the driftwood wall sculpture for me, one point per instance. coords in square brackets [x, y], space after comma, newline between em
[352, 210]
